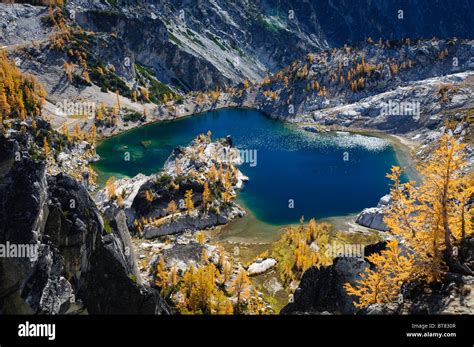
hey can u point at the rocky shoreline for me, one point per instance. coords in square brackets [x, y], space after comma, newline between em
[187, 169]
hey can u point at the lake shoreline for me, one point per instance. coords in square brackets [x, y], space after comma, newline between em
[403, 149]
[249, 234]
[189, 106]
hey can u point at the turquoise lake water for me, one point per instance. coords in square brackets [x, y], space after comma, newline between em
[318, 175]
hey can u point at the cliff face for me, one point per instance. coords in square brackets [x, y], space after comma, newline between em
[321, 290]
[79, 266]
[348, 77]
[203, 44]
[347, 21]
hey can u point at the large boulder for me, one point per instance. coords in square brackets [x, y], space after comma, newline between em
[321, 290]
[373, 217]
[261, 266]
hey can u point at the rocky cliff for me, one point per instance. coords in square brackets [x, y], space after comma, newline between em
[321, 290]
[79, 266]
[202, 44]
[343, 81]
[243, 40]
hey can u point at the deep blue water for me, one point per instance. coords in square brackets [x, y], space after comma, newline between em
[292, 164]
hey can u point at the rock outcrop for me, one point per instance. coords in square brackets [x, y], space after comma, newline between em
[372, 217]
[368, 107]
[147, 199]
[213, 43]
[261, 266]
[192, 222]
[216, 44]
[321, 290]
[77, 266]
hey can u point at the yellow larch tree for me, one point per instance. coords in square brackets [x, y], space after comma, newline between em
[188, 200]
[431, 217]
[119, 200]
[65, 131]
[203, 290]
[149, 196]
[111, 187]
[173, 276]
[46, 148]
[206, 196]
[212, 174]
[383, 283]
[77, 134]
[99, 116]
[21, 95]
[201, 237]
[172, 207]
[161, 275]
[240, 287]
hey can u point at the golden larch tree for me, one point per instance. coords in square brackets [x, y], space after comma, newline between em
[431, 217]
[188, 200]
[383, 283]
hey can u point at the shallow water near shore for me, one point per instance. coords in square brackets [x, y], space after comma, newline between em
[293, 172]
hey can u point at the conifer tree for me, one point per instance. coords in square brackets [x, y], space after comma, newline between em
[206, 196]
[149, 196]
[203, 289]
[46, 148]
[100, 112]
[188, 200]
[111, 187]
[173, 278]
[21, 95]
[383, 283]
[212, 173]
[430, 217]
[119, 200]
[200, 237]
[172, 207]
[240, 287]
[161, 275]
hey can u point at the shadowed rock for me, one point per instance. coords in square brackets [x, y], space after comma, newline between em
[78, 267]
